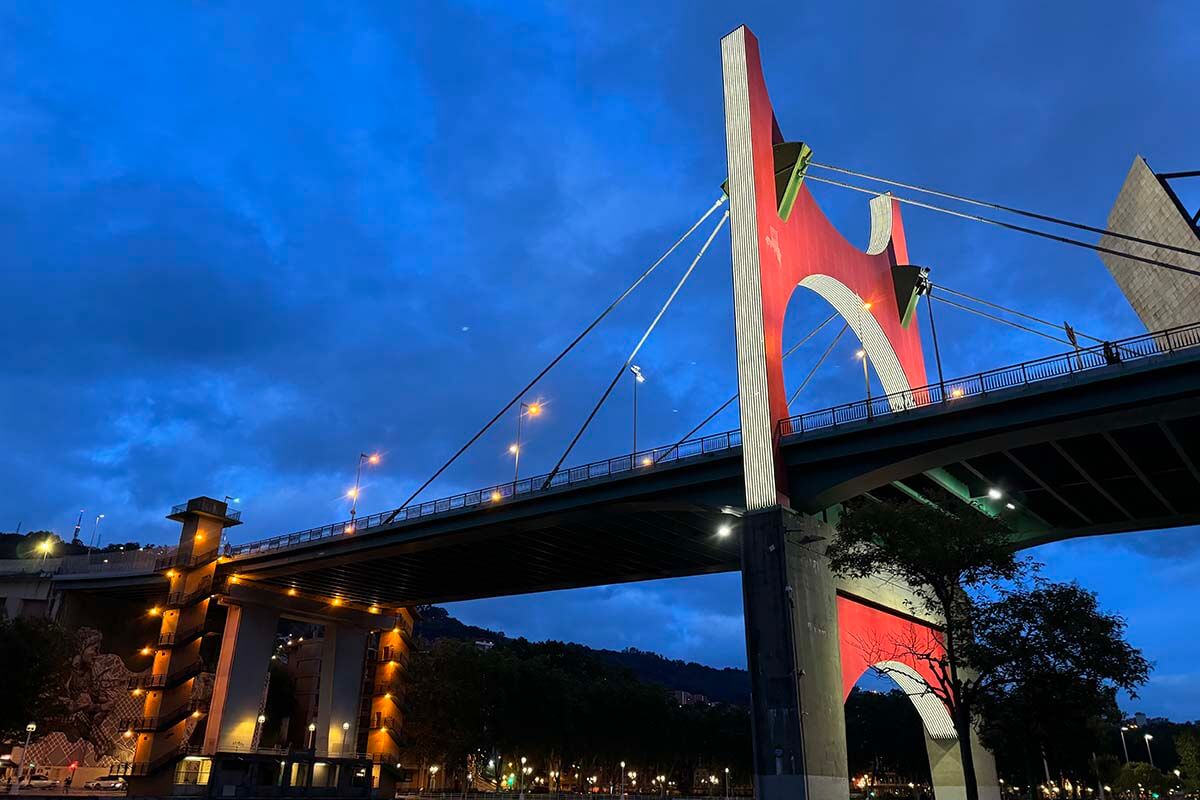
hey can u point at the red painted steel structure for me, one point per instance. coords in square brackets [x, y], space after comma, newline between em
[808, 244]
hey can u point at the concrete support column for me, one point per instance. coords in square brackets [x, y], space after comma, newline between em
[241, 673]
[946, 769]
[798, 719]
[342, 662]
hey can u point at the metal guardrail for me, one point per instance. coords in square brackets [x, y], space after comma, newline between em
[1087, 359]
[946, 392]
[207, 506]
[493, 495]
[110, 560]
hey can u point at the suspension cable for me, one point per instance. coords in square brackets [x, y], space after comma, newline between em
[621, 371]
[1001, 320]
[1010, 226]
[1021, 212]
[517, 397]
[675, 447]
[1013, 311]
[816, 366]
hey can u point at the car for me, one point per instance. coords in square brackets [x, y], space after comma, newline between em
[39, 781]
[107, 784]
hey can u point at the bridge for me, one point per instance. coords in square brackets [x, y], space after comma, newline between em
[1077, 445]
[1103, 437]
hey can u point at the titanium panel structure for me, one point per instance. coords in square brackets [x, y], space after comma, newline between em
[771, 257]
[1147, 207]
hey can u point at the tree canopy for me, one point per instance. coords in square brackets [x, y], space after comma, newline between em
[35, 659]
[560, 704]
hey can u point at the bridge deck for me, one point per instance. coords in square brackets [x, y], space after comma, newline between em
[1084, 446]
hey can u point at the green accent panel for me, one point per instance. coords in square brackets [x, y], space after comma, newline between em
[791, 165]
[906, 279]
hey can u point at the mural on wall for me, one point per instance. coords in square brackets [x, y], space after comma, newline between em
[98, 701]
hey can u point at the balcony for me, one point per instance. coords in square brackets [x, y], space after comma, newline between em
[164, 721]
[180, 638]
[169, 679]
[182, 599]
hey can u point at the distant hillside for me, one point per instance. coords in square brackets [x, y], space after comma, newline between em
[722, 685]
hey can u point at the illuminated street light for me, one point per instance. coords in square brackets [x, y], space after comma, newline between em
[1149, 753]
[638, 377]
[724, 531]
[995, 493]
[372, 459]
[45, 546]
[523, 410]
[95, 531]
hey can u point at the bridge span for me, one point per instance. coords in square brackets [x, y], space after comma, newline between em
[1074, 444]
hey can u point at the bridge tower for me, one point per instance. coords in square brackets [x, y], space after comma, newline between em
[797, 624]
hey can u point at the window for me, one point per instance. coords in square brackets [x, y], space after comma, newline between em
[193, 771]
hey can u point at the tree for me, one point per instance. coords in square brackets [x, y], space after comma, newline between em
[943, 556]
[1049, 663]
[35, 659]
[1187, 744]
[1138, 775]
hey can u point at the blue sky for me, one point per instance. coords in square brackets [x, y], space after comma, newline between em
[243, 243]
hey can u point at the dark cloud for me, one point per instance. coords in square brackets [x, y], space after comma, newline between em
[241, 245]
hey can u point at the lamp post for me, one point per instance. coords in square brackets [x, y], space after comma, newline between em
[622, 779]
[312, 736]
[638, 377]
[95, 531]
[1124, 746]
[29, 729]
[370, 459]
[257, 739]
[727, 783]
[1149, 753]
[521, 779]
[433, 770]
[532, 410]
[345, 734]
[45, 546]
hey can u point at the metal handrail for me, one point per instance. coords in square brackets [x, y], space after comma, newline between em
[946, 392]
[643, 460]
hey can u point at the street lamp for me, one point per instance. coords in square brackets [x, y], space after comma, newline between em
[1124, 747]
[727, 783]
[312, 736]
[95, 530]
[254, 742]
[1150, 754]
[523, 410]
[345, 733]
[29, 729]
[622, 779]
[45, 546]
[638, 377]
[353, 493]
[433, 770]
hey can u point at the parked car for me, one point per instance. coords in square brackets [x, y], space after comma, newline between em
[39, 781]
[107, 784]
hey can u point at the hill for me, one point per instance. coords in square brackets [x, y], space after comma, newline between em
[726, 685]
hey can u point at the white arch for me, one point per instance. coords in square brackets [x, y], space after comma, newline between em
[874, 341]
[933, 711]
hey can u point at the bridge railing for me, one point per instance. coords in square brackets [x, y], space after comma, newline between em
[642, 460]
[1084, 359]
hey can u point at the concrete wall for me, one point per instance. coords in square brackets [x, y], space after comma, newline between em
[1145, 207]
